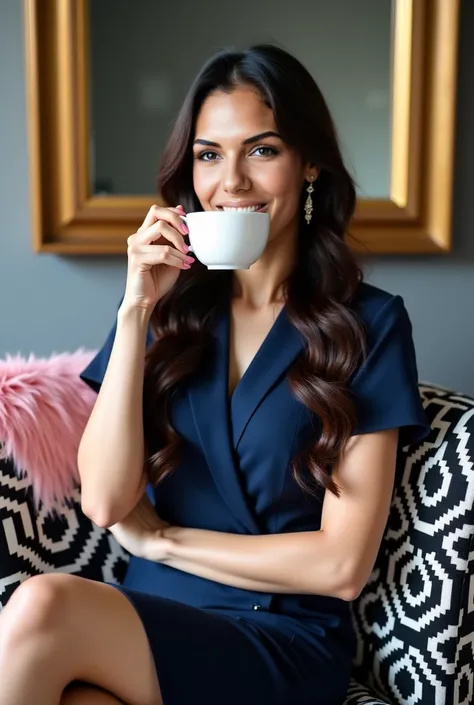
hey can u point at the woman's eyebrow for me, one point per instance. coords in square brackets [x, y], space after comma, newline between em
[249, 140]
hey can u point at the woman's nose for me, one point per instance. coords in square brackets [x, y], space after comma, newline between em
[235, 177]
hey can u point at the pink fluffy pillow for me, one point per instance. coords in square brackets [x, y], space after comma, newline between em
[44, 407]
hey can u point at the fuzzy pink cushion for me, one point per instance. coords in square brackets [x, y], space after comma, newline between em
[44, 407]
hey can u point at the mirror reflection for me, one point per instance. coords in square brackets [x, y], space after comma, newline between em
[143, 56]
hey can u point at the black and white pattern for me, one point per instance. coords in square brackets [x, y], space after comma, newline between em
[414, 620]
[34, 542]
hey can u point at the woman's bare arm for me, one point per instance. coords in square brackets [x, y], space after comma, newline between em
[111, 451]
[336, 560]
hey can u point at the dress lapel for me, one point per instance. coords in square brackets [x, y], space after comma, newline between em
[208, 396]
[220, 423]
[272, 360]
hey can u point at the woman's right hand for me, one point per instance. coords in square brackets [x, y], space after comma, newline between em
[156, 255]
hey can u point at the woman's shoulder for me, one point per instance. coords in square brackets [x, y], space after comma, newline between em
[385, 386]
[372, 304]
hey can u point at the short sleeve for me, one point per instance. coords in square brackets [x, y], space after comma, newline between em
[385, 387]
[94, 373]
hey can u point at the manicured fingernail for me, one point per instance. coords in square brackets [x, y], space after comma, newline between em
[184, 229]
[190, 260]
[185, 247]
[186, 265]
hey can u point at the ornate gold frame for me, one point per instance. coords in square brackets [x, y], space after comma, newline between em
[68, 219]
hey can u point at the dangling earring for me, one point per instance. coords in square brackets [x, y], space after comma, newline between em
[308, 206]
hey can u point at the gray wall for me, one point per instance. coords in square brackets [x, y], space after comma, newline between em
[50, 303]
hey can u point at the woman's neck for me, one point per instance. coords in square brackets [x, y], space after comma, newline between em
[264, 283]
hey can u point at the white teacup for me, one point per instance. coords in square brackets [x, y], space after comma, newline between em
[226, 239]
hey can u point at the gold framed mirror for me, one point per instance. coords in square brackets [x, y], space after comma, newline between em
[72, 214]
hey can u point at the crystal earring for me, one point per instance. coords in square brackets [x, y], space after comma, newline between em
[308, 206]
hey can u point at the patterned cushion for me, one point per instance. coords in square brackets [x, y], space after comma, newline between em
[34, 542]
[415, 618]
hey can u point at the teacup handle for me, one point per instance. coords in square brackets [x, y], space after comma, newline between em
[183, 218]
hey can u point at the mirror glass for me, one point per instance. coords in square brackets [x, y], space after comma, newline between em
[144, 55]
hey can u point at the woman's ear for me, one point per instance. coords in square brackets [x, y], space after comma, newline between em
[312, 173]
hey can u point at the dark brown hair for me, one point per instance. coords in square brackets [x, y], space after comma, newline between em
[318, 293]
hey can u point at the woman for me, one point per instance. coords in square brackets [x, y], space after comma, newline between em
[267, 413]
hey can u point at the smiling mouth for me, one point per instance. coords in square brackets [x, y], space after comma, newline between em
[245, 209]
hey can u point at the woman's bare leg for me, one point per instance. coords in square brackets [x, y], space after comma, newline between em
[88, 695]
[59, 628]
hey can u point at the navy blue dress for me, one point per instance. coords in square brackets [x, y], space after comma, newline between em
[216, 644]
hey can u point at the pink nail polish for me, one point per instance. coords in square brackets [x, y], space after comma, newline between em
[184, 229]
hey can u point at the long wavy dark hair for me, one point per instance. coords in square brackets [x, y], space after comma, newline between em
[318, 293]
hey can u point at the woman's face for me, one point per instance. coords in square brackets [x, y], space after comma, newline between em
[241, 162]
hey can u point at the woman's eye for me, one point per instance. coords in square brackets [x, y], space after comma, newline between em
[265, 151]
[207, 156]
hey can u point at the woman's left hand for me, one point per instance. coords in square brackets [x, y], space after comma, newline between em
[140, 532]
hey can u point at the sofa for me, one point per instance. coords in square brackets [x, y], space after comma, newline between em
[414, 621]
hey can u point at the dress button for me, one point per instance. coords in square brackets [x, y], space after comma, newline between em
[257, 607]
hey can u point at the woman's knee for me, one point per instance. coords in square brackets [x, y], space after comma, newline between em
[38, 606]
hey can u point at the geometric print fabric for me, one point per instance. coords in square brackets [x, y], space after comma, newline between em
[414, 619]
[34, 542]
